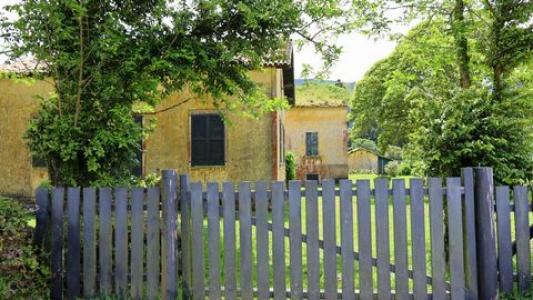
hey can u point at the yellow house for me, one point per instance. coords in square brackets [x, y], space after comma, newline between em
[189, 137]
[317, 133]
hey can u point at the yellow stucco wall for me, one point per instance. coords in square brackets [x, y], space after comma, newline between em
[250, 153]
[331, 125]
[362, 160]
[17, 103]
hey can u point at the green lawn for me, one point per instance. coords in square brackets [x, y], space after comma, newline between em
[374, 220]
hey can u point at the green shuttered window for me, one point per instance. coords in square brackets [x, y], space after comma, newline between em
[207, 140]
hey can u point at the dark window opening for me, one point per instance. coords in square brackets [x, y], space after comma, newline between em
[312, 177]
[311, 143]
[207, 140]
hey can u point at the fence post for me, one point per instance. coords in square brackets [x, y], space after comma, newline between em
[469, 234]
[485, 233]
[185, 246]
[169, 187]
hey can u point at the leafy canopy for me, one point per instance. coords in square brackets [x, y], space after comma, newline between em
[103, 57]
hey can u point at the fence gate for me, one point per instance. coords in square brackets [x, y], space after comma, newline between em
[315, 240]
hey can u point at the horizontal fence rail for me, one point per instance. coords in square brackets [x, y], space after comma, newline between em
[304, 240]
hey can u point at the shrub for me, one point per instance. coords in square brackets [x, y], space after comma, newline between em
[405, 169]
[391, 169]
[22, 276]
[290, 166]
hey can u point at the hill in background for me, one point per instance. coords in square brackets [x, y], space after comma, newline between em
[322, 92]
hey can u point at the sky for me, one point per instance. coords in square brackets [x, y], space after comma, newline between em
[358, 56]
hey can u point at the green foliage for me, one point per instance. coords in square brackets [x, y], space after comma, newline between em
[290, 166]
[414, 98]
[106, 57]
[317, 93]
[22, 276]
[405, 169]
[150, 180]
[469, 130]
[392, 168]
[394, 152]
[365, 144]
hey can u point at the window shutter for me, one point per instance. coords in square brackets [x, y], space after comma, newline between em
[207, 140]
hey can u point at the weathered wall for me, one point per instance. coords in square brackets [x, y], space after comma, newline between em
[250, 143]
[252, 147]
[362, 160]
[17, 103]
[331, 125]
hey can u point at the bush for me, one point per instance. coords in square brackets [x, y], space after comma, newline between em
[22, 276]
[405, 169]
[290, 166]
[391, 169]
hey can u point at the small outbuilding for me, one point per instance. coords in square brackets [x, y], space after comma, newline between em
[366, 160]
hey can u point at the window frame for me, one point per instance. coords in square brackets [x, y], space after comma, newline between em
[308, 151]
[209, 163]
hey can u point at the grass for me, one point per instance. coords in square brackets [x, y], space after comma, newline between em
[374, 220]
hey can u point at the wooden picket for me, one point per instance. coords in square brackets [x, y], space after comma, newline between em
[125, 242]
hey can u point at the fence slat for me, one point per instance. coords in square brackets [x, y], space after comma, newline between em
[105, 242]
[261, 212]
[418, 239]
[121, 242]
[89, 242]
[42, 216]
[152, 243]
[56, 257]
[213, 217]
[228, 199]
[185, 234]
[197, 220]
[438, 259]
[137, 242]
[278, 241]
[313, 265]
[469, 219]
[347, 239]
[169, 182]
[400, 239]
[73, 243]
[455, 232]
[245, 223]
[382, 237]
[295, 238]
[523, 250]
[365, 239]
[505, 249]
[330, 263]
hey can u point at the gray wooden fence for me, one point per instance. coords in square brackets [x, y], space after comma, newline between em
[314, 240]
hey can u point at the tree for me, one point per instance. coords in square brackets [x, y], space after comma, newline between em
[417, 99]
[105, 56]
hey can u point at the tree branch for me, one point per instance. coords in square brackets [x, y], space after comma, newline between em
[80, 74]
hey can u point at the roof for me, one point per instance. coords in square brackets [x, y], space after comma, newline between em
[321, 95]
[281, 58]
[22, 66]
[368, 150]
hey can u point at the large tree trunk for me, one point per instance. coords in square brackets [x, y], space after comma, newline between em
[461, 43]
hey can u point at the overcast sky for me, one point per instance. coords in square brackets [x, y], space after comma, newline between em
[359, 54]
